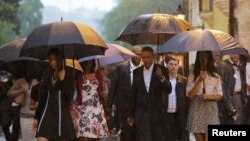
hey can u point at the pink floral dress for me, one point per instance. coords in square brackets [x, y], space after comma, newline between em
[90, 118]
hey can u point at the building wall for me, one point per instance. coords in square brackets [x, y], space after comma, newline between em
[242, 13]
[220, 21]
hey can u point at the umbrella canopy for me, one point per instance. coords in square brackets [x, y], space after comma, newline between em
[203, 40]
[21, 66]
[75, 65]
[114, 54]
[76, 40]
[153, 29]
[11, 49]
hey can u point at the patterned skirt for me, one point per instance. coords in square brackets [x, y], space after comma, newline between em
[201, 114]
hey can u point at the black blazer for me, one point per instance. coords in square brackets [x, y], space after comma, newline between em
[153, 102]
[230, 80]
[182, 105]
[120, 88]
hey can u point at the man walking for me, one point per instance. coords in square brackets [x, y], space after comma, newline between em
[177, 108]
[147, 104]
[120, 92]
[237, 87]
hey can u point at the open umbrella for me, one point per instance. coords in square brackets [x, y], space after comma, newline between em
[153, 29]
[11, 49]
[114, 54]
[76, 41]
[23, 67]
[203, 40]
[32, 68]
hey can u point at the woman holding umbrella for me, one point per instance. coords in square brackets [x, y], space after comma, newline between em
[52, 117]
[204, 89]
[90, 118]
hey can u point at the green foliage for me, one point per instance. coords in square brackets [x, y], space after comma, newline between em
[30, 14]
[126, 10]
[9, 21]
[18, 18]
[6, 31]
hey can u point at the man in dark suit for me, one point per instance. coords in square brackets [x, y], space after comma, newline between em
[236, 84]
[177, 108]
[120, 92]
[147, 104]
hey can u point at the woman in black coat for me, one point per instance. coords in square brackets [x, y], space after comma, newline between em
[52, 118]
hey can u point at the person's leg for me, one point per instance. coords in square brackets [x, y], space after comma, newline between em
[128, 133]
[6, 130]
[170, 127]
[206, 137]
[27, 133]
[42, 139]
[91, 139]
[199, 136]
[15, 116]
[239, 108]
[6, 123]
[83, 139]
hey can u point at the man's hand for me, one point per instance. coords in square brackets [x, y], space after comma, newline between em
[61, 75]
[34, 125]
[130, 121]
[159, 72]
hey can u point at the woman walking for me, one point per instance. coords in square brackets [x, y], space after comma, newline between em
[90, 117]
[52, 118]
[204, 89]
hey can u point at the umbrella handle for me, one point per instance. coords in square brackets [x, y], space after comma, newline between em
[204, 89]
[158, 42]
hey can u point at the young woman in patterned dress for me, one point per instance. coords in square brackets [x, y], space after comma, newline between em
[204, 89]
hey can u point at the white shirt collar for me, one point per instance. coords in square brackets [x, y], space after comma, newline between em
[171, 77]
[150, 68]
[132, 66]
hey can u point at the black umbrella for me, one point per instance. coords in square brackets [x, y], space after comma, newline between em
[11, 49]
[75, 40]
[153, 29]
[23, 67]
[203, 40]
[28, 67]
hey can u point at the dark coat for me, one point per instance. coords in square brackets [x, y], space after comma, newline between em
[224, 70]
[230, 80]
[148, 108]
[120, 92]
[53, 111]
[5, 103]
[120, 89]
[182, 107]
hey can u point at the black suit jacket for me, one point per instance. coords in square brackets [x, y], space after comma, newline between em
[120, 88]
[182, 105]
[151, 103]
[230, 80]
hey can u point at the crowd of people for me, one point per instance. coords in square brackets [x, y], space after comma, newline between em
[141, 99]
